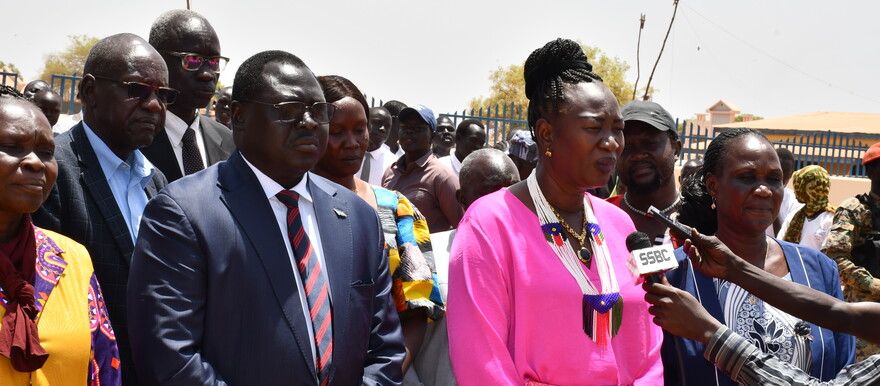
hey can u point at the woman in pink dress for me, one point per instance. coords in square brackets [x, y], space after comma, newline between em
[539, 292]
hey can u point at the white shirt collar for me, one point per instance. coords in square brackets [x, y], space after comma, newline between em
[175, 127]
[271, 188]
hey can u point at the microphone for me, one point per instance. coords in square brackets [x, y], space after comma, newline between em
[646, 261]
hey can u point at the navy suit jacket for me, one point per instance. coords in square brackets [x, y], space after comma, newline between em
[218, 147]
[81, 206]
[215, 302]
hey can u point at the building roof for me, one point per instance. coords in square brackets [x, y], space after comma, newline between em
[819, 121]
[724, 106]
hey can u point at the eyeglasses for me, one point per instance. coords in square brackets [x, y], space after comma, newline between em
[288, 112]
[142, 90]
[193, 62]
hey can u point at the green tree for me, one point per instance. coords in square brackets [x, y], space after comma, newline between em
[71, 60]
[9, 66]
[508, 84]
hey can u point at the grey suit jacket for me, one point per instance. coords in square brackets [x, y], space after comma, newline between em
[215, 302]
[81, 206]
[218, 147]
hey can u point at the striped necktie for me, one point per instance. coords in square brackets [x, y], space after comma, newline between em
[316, 288]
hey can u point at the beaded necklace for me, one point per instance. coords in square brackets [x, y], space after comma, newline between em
[602, 307]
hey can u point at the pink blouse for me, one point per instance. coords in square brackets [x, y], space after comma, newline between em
[515, 311]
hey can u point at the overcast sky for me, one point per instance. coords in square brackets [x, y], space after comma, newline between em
[770, 58]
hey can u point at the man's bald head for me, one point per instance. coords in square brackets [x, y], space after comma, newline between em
[115, 54]
[177, 24]
[482, 172]
[35, 86]
[117, 69]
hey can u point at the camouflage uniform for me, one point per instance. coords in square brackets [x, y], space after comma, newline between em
[852, 222]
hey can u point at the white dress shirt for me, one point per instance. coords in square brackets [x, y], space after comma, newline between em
[175, 127]
[380, 160]
[310, 223]
[451, 162]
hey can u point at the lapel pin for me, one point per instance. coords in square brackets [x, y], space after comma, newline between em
[340, 213]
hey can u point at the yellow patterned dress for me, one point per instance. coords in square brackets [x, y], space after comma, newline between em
[73, 323]
[408, 249]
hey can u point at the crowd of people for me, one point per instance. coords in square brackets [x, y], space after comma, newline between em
[303, 237]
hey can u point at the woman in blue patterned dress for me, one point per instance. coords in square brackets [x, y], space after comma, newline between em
[736, 196]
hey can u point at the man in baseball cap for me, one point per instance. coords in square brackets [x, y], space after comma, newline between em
[418, 175]
[647, 166]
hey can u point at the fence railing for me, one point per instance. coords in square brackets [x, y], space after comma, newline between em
[500, 120]
[5, 75]
[840, 154]
[67, 89]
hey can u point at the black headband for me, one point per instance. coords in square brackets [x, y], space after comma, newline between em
[538, 74]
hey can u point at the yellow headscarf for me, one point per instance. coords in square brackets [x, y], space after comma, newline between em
[811, 187]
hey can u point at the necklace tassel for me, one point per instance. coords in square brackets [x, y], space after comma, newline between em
[588, 317]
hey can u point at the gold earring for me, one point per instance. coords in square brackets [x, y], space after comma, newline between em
[548, 153]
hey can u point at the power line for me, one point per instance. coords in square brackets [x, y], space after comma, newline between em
[802, 72]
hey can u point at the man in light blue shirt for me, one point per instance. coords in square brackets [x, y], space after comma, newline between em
[127, 179]
[104, 182]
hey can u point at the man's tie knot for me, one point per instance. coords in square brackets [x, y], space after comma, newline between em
[189, 135]
[289, 198]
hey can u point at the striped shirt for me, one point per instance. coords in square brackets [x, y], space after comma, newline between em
[746, 364]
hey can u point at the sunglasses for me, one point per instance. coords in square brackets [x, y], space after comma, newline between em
[288, 112]
[193, 62]
[137, 90]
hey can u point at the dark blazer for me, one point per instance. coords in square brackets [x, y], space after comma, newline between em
[218, 147]
[215, 302]
[81, 206]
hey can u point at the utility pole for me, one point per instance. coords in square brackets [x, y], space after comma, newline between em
[648, 87]
[638, 46]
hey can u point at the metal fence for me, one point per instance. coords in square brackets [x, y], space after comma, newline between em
[6, 75]
[67, 85]
[840, 154]
[500, 120]
[67, 89]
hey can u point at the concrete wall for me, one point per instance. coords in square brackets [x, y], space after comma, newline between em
[845, 187]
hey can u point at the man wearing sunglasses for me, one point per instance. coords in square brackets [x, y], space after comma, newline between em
[104, 182]
[258, 272]
[190, 141]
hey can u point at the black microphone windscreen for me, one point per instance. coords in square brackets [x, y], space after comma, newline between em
[638, 240]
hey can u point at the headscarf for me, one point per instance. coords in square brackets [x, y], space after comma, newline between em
[19, 340]
[811, 187]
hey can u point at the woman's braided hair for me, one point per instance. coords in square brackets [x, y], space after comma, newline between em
[547, 69]
[7, 91]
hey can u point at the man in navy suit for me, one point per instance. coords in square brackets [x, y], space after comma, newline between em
[190, 141]
[242, 267]
[104, 182]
